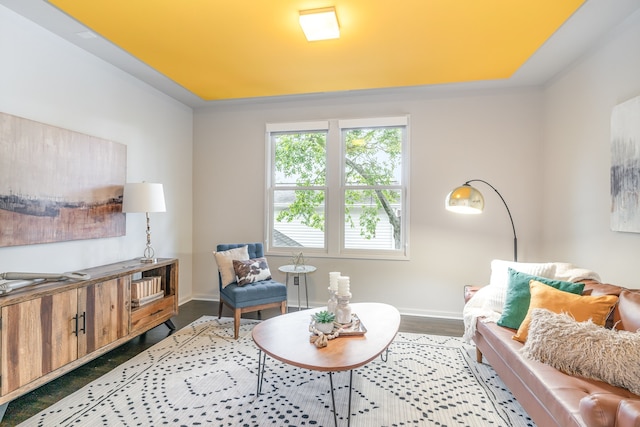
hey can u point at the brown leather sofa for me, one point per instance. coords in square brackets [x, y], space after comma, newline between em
[550, 397]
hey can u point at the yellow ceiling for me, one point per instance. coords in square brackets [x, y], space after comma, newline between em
[230, 49]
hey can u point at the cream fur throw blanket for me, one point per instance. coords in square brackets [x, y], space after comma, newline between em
[584, 349]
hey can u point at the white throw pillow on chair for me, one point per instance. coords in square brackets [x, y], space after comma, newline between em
[224, 259]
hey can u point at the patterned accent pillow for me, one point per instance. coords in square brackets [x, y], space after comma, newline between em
[253, 270]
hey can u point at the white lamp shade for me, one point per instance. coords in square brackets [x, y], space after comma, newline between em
[465, 199]
[143, 197]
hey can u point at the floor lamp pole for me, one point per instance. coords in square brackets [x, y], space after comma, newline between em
[515, 238]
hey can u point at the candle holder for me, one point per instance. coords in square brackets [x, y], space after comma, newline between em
[332, 304]
[343, 310]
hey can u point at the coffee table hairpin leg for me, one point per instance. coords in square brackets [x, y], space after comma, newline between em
[384, 357]
[262, 362]
[333, 399]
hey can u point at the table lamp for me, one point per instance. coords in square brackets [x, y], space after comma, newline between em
[144, 197]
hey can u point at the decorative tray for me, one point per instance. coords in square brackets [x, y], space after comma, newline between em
[355, 327]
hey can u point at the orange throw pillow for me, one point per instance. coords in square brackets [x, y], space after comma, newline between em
[580, 307]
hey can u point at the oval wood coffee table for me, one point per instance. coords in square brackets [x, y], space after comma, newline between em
[286, 338]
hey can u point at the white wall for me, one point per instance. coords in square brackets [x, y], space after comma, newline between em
[454, 137]
[46, 79]
[546, 150]
[577, 196]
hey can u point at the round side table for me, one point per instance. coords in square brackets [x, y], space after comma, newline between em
[297, 270]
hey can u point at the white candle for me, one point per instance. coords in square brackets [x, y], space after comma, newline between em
[343, 285]
[333, 280]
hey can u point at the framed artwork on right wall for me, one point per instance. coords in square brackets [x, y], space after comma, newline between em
[625, 166]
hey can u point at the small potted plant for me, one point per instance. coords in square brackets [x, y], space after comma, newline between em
[324, 321]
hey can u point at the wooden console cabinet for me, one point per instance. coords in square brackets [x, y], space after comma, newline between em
[49, 329]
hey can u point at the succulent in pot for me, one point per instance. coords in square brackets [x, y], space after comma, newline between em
[324, 321]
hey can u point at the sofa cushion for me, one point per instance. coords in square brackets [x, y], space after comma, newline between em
[251, 294]
[580, 307]
[600, 409]
[627, 316]
[224, 259]
[628, 413]
[585, 349]
[593, 287]
[252, 270]
[518, 296]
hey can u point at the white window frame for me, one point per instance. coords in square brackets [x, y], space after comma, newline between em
[335, 188]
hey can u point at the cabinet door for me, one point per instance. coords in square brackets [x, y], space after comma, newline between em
[38, 336]
[104, 312]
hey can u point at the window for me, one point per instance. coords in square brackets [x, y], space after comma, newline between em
[338, 187]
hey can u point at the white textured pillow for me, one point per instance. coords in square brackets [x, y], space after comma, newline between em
[500, 270]
[224, 259]
[584, 349]
[495, 298]
[500, 278]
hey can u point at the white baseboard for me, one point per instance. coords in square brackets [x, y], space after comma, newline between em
[293, 304]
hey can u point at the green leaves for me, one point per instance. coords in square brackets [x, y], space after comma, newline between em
[372, 174]
[373, 156]
[324, 317]
[304, 207]
[301, 158]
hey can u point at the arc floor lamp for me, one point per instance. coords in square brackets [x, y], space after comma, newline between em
[468, 200]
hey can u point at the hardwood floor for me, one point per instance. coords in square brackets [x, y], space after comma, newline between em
[31, 403]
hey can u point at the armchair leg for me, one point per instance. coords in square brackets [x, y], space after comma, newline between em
[220, 309]
[236, 323]
[478, 355]
[283, 307]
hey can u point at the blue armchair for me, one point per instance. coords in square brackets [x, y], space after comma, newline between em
[252, 296]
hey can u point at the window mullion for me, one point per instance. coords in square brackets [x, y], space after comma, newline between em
[334, 193]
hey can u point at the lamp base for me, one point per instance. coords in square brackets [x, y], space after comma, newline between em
[148, 260]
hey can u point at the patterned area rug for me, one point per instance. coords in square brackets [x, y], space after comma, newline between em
[201, 376]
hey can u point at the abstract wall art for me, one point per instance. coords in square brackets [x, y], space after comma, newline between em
[58, 185]
[625, 166]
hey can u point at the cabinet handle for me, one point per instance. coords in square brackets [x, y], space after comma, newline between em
[75, 318]
[84, 322]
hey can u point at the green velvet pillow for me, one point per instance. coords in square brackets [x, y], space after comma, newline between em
[518, 296]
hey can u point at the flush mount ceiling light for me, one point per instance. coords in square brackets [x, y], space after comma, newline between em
[320, 24]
